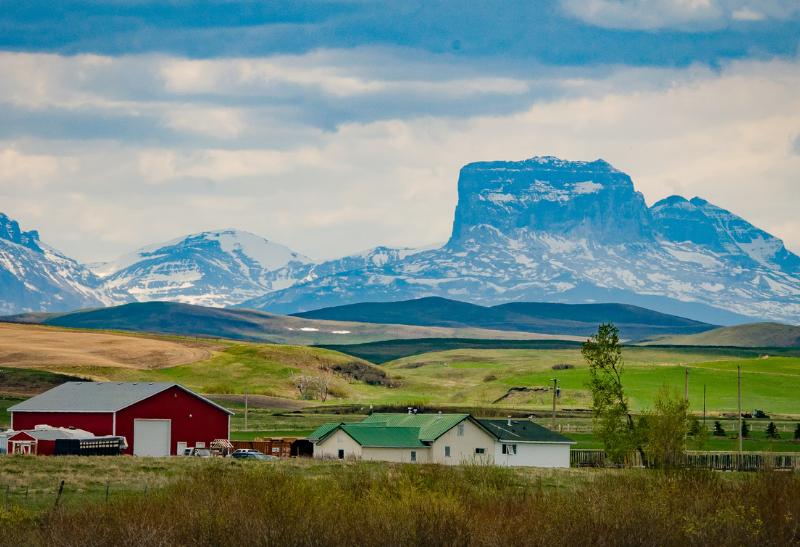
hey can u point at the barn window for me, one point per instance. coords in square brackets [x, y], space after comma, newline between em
[341, 454]
[461, 430]
[510, 449]
[413, 455]
[446, 451]
[480, 451]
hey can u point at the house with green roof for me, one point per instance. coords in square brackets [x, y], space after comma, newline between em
[448, 439]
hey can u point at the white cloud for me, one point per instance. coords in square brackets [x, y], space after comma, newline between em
[678, 14]
[727, 136]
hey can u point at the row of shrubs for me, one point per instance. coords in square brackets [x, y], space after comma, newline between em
[771, 431]
[362, 504]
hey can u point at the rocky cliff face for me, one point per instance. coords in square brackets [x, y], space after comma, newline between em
[589, 200]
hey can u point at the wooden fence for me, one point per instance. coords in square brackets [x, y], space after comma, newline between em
[720, 461]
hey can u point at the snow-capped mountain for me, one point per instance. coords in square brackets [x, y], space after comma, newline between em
[555, 230]
[35, 277]
[216, 268]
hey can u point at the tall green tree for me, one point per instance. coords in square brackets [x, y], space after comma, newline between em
[613, 422]
[667, 425]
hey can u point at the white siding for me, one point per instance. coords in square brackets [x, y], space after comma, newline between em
[400, 455]
[533, 455]
[339, 440]
[462, 447]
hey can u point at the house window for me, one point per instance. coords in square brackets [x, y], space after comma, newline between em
[510, 449]
[461, 430]
[413, 455]
[446, 451]
[341, 454]
[480, 451]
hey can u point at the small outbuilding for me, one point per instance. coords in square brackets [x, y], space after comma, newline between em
[155, 418]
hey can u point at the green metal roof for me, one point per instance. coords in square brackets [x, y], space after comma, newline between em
[368, 435]
[522, 431]
[323, 431]
[431, 426]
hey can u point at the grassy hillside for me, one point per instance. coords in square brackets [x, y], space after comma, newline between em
[240, 324]
[574, 319]
[755, 335]
[490, 378]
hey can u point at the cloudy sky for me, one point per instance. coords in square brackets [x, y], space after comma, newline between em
[332, 126]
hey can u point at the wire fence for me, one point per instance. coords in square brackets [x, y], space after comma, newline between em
[62, 493]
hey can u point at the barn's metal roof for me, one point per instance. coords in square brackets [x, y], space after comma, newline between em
[523, 431]
[98, 397]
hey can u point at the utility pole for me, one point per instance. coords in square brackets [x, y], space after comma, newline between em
[704, 405]
[245, 411]
[686, 384]
[555, 389]
[739, 381]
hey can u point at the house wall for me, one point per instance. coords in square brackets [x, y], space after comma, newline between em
[192, 419]
[339, 440]
[462, 448]
[99, 423]
[399, 455]
[533, 455]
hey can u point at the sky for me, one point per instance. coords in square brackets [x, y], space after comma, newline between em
[336, 125]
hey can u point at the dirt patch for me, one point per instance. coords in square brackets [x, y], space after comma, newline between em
[31, 346]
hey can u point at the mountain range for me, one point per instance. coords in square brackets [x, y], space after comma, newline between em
[542, 229]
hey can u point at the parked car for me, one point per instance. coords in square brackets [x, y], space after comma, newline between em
[199, 452]
[250, 454]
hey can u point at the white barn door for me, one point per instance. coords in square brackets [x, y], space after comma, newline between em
[151, 437]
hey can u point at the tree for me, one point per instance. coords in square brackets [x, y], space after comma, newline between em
[718, 429]
[797, 433]
[772, 431]
[667, 425]
[612, 418]
[745, 429]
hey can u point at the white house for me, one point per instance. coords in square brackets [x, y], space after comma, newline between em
[448, 439]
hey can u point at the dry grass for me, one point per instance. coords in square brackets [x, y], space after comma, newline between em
[33, 346]
[222, 503]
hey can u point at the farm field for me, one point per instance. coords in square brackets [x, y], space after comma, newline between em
[214, 502]
[485, 376]
[499, 379]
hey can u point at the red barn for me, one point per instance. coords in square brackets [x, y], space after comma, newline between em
[156, 418]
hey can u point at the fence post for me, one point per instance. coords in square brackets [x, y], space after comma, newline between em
[107, 485]
[8, 492]
[60, 491]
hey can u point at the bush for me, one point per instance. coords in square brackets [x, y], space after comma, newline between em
[745, 429]
[797, 433]
[772, 431]
[562, 366]
[489, 378]
[719, 431]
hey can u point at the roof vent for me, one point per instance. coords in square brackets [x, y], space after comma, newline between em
[509, 421]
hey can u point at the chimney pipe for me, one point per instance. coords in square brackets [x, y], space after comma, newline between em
[509, 421]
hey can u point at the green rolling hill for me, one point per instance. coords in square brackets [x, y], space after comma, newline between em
[575, 319]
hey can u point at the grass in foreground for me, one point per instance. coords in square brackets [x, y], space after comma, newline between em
[366, 504]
